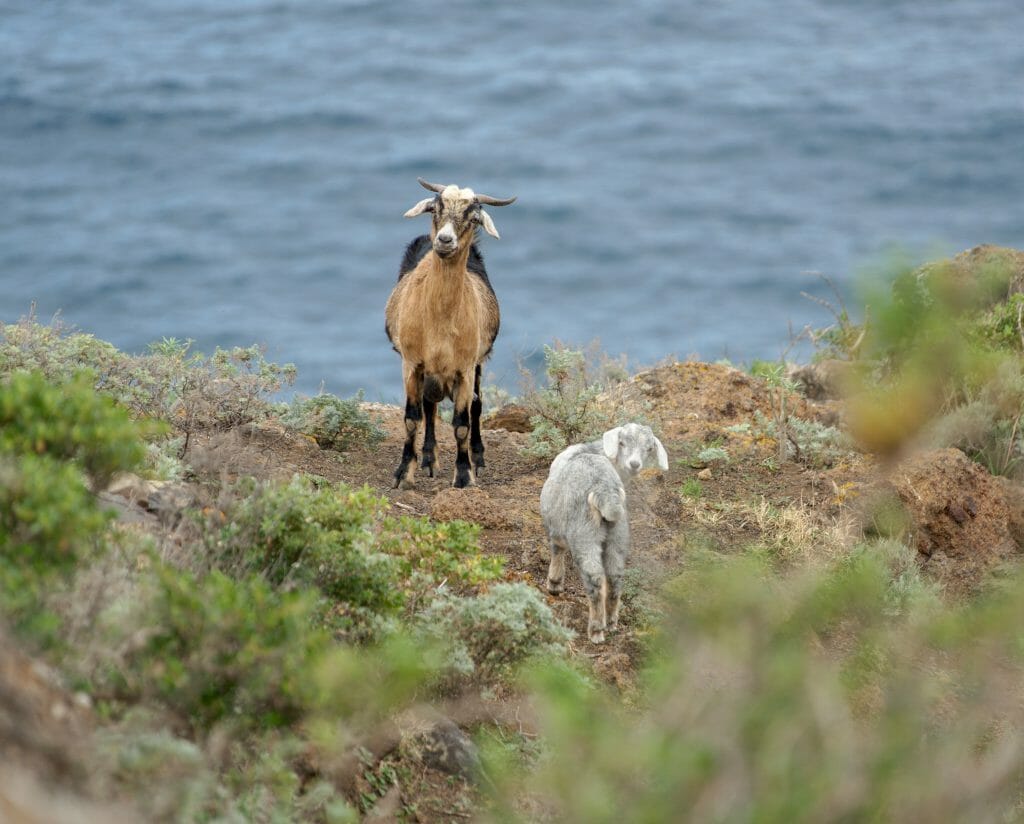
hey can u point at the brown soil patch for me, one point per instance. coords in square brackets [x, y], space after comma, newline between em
[960, 514]
[689, 400]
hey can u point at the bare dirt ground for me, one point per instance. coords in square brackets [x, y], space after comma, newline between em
[689, 404]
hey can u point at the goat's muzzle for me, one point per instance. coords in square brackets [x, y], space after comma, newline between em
[445, 245]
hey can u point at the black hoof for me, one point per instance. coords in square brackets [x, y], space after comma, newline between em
[428, 464]
[462, 479]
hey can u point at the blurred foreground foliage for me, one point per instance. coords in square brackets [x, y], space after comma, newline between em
[939, 359]
[802, 699]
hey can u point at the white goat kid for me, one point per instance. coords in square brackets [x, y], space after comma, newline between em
[583, 506]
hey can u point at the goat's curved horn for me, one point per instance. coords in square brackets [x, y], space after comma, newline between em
[487, 200]
[430, 187]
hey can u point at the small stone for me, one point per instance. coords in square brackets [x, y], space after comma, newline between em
[704, 474]
[956, 512]
[448, 749]
[387, 808]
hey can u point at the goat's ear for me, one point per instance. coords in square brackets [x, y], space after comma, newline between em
[488, 224]
[425, 205]
[610, 443]
[662, 456]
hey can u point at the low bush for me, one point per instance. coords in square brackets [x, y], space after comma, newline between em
[219, 649]
[437, 556]
[69, 422]
[566, 411]
[333, 422]
[489, 637]
[188, 390]
[367, 565]
[57, 441]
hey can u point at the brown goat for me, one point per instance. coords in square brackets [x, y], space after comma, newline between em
[442, 318]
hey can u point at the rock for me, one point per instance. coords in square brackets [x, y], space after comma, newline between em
[472, 504]
[704, 474]
[127, 512]
[152, 496]
[824, 380]
[166, 497]
[960, 517]
[447, 748]
[387, 808]
[130, 487]
[511, 417]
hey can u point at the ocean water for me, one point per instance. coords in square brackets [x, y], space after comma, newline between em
[235, 171]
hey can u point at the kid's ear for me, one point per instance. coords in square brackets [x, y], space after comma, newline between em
[662, 456]
[610, 443]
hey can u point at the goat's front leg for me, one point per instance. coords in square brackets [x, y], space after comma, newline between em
[476, 442]
[463, 397]
[405, 475]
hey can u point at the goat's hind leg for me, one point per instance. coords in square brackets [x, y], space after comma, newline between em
[476, 441]
[596, 584]
[615, 550]
[462, 397]
[556, 569]
[429, 439]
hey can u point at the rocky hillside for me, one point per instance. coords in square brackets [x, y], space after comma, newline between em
[773, 464]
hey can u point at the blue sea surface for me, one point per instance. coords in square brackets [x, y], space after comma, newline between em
[235, 171]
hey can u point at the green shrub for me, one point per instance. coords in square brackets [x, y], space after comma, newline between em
[221, 649]
[1003, 325]
[937, 338]
[488, 638]
[188, 390]
[432, 556]
[808, 442]
[333, 422]
[566, 411]
[55, 442]
[58, 353]
[193, 391]
[366, 565]
[173, 779]
[318, 536]
[68, 422]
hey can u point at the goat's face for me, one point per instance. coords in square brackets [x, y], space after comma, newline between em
[634, 447]
[456, 214]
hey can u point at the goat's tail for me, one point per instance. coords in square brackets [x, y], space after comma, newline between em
[606, 504]
[433, 389]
